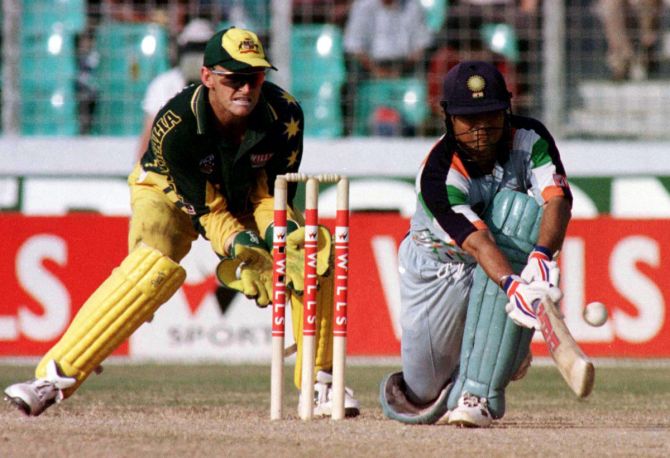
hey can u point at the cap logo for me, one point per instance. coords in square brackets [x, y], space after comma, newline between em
[242, 45]
[476, 85]
[248, 46]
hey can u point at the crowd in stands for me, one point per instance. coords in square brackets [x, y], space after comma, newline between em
[389, 46]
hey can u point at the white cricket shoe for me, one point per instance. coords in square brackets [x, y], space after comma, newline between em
[472, 412]
[35, 396]
[323, 397]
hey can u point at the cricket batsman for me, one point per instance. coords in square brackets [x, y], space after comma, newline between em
[209, 169]
[493, 209]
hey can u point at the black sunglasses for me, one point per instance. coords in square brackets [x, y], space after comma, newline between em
[237, 80]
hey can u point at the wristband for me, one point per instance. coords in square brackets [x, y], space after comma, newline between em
[544, 250]
[246, 238]
[502, 281]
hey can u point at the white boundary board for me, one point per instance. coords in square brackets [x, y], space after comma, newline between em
[114, 156]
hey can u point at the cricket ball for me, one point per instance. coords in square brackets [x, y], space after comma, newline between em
[595, 314]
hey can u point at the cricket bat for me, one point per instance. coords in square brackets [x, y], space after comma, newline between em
[572, 363]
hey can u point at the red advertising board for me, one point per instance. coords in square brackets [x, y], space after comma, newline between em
[50, 265]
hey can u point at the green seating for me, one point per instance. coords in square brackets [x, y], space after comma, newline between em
[131, 55]
[40, 15]
[322, 109]
[406, 95]
[49, 110]
[436, 13]
[48, 71]
[318, 72]
[46, 56]
[501, 38]
[317, 54]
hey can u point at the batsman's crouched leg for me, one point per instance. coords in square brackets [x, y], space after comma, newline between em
[143, 282]
[396, 406]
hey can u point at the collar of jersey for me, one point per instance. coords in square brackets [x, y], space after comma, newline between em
[261, 118]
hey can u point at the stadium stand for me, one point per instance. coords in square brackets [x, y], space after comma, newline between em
[318, 57]
[131, 55]
[407, 96]
[47, 41]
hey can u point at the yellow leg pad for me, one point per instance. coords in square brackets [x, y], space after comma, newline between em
[143, 282]
[324, 330]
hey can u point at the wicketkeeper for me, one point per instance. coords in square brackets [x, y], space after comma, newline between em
[493, 208]
[208, 170]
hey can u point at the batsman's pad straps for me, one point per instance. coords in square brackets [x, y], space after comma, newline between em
[396, 406]
[493, 346]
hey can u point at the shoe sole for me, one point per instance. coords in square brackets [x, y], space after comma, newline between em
[19, 404]
[466, 422]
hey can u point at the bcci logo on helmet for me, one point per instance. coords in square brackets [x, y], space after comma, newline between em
[476, 84]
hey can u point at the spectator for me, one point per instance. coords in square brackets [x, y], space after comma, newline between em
[618, 17]
[191, 42]
[85, 86]
[383, 39]
[248, 14]
[386, 38]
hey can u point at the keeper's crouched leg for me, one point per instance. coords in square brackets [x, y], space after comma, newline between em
[323, 363]
[324, 327]
[143, 282]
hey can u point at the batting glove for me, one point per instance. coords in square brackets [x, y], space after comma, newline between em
[540, 266]
[248, 269]
[524, 297]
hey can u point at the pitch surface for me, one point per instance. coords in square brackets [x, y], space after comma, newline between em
[221, 410]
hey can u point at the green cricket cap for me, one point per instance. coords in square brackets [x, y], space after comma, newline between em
[235, 50]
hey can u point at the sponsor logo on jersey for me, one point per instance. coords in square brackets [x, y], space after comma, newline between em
[161, 128]
[260, 159]
[207, 165]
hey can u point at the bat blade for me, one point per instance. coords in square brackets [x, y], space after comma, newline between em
[575, 367]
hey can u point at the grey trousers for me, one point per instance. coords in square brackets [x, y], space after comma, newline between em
[434, 299]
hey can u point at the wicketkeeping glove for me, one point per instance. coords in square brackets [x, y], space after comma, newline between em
[524, 297]
[295, 256]
[248, 269]
[540, 266]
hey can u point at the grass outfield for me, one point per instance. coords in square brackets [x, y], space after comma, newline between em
[222, 410]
